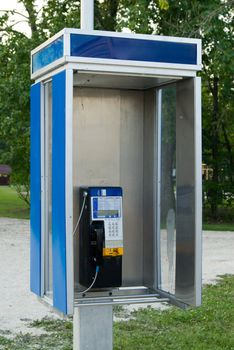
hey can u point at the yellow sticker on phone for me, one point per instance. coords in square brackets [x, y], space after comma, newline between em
[112, 251]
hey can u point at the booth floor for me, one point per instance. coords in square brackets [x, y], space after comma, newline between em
[19, 307]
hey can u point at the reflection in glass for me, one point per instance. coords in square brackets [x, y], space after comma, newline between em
[168, 189]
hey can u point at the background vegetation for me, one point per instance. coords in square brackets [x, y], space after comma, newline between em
[210, 20]
[11, 205]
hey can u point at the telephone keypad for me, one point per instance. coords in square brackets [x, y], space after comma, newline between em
[112, 229]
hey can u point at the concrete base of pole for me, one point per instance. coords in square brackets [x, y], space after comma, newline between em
[93, 328]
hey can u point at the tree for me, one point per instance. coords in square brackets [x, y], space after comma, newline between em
[218, 107]
[14, 107]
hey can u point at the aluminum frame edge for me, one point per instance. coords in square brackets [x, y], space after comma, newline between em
[198, 192]
[42, 123]
[69, 191]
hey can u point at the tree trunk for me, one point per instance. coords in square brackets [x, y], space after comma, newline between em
[32, 15]
[106, 13]
[230, 153]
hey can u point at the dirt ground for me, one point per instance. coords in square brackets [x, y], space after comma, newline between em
[18, 306]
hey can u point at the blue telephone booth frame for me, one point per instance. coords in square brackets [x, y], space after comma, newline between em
[56, 60]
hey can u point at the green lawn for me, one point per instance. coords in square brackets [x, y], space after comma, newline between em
[223, 222]
[11, 205]
[209, 327]
[218, 227]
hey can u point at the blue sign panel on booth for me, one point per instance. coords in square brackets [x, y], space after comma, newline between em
[96, 46]
[48, 54]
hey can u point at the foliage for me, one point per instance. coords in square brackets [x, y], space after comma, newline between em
[57, 15]
[225, 215]
[218, 109]
[205, 328]
[14, 106]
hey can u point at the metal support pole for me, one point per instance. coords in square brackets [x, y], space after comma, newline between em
[87, 15]
[92, 325]
[93, 328]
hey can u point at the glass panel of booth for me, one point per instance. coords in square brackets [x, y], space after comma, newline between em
[47, 202]
[178, 197]
[167, 216]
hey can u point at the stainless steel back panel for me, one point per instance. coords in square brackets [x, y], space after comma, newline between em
[131, 179]
[108, 150]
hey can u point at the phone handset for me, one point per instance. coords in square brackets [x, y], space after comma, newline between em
[97, 242]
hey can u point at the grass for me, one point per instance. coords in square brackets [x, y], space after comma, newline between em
[208, 327]
[224, 220]
[58, 335]
[218, 227]
[11, 206]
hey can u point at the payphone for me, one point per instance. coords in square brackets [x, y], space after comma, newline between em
[101, 237]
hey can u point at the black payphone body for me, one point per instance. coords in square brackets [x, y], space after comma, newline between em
[101, 237]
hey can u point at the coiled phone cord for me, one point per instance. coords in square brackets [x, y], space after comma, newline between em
[85, 194]
[94, 280]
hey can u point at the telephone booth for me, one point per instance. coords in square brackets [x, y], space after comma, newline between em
[115, 110]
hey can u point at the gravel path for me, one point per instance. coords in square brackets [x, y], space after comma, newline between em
[18, 306]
